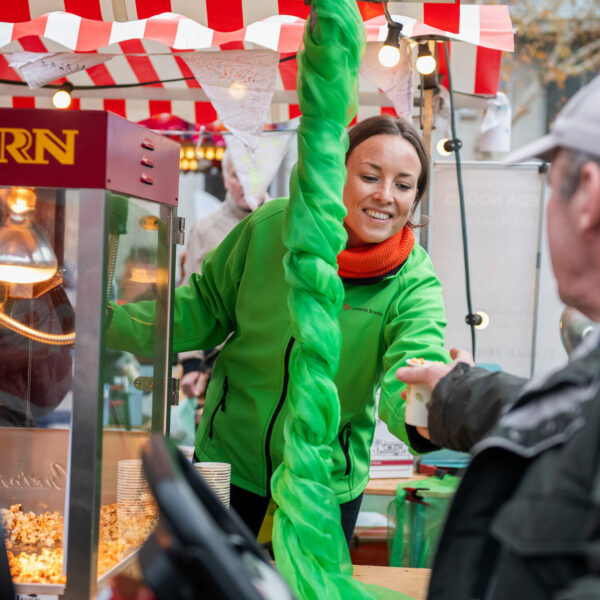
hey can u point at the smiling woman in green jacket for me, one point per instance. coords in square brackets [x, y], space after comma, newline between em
[393, 310]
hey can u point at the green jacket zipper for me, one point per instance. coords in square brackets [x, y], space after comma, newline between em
[220, 405]
[286, 378]
[344, 439]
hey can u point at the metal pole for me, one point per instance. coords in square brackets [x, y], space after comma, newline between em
[538, 267]
[164, 320]
[427, 128]
[82, 513]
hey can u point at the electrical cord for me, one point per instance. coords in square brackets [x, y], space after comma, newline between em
[56, 339]
[57, 86]
[471, 319]
[388, 17]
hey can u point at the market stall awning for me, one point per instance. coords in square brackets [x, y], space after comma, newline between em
[215, 14]
[152, 49]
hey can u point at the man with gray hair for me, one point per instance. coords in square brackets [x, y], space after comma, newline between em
[525, 521]
[210, 231]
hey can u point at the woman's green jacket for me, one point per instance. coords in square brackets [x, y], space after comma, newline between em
[242, 291]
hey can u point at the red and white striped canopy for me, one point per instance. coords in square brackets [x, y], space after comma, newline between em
[221, 15]
[147, 38]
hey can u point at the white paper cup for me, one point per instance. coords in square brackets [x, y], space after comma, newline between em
[418, 396]
[188, 451]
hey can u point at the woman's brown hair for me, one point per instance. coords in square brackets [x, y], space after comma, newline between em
[388, 125]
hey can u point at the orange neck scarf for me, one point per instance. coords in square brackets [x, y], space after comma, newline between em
[364, 262]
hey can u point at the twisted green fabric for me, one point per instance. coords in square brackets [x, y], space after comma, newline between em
[309, 544]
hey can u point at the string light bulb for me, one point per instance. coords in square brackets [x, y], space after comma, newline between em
[62, 97]
[209, 153]
[440, 147]
[389, 53]
[237, 90]
[447, 146]
[479, 320]
[426, 63]
[485, 320]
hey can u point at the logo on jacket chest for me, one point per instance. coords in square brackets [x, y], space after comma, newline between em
[362, 309]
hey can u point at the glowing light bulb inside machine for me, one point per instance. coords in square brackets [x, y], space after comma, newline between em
[25, 254]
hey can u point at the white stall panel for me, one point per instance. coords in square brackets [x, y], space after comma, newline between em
[503, 209]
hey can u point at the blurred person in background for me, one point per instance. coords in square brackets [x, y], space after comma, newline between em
[206, 234]
[34, 376]
[525, 521]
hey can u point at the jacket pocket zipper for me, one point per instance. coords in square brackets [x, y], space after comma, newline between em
[344, 439]
[220, 405]
[286, 377]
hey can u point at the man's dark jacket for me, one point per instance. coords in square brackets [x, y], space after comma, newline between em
[525, 521]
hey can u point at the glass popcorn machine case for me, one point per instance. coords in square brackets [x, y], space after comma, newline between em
[87, 217]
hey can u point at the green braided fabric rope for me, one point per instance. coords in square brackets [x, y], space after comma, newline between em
[309, 544]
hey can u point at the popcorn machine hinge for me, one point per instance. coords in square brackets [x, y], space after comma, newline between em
[179, 231]
[173, 391]
[145, 384]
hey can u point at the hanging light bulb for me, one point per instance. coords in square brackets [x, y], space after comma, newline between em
[485, 320]
[479, 320]
[426, 63]
[237, 90]
[446, 146]
[389, 53]
[209, 153]
[219, 153]
[199, 152]
[190, 153]
[62, 98]
[441, 147]
[193, 164]
[389, 56]
[25, 254]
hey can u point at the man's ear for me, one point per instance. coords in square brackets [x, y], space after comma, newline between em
[588, 199]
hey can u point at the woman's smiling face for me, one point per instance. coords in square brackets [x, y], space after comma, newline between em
[380, 189]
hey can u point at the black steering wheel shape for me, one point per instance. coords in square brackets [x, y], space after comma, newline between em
[199, 550]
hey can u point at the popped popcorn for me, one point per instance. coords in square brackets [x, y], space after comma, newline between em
[34, 541]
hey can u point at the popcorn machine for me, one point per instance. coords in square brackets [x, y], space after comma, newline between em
[87, 215]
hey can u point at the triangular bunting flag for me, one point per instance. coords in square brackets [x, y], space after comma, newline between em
[240, 85]
[38, 69]
[496, 125]
[256, 169]
[395, 82]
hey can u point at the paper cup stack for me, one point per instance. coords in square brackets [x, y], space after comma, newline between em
[217, 475]
[134, 498]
